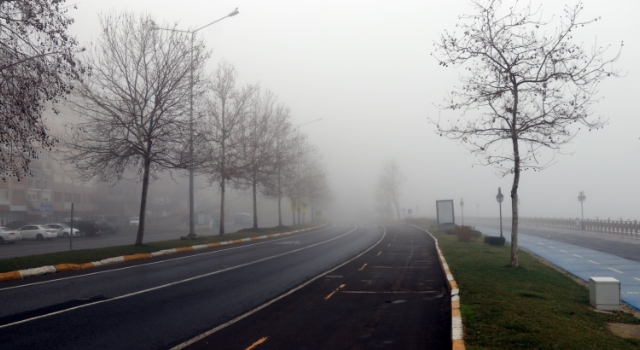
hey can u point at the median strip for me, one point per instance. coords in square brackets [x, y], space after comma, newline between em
[43, 270]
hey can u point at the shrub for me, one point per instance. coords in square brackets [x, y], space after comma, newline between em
[463, 233]
[495, 241]
[475, 234]
[449, 231]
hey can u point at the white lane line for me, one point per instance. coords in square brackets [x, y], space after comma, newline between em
[637, 279]
[209, 332]
[540, 243]
[577, 256]
[552, 247]
[593, 262]
[564, 251]
[612, 269]
[160, 262]
[172, 283]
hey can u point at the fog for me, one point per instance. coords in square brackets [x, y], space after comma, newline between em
[365, 68]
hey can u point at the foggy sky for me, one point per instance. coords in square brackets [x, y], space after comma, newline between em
[365, 67]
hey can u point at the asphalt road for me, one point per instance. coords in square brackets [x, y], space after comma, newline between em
[158, 303]
[126, 236]
[392, 297]
[623, 246]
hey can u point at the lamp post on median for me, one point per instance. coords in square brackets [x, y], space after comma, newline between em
[582, 198]
[192, 233]
[500, 198]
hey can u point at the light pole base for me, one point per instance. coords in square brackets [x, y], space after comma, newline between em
[190, 236]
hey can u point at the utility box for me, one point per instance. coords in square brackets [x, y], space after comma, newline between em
[604, 293]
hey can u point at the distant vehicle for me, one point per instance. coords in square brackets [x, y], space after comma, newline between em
[68, 220]
[87, 227]
[37, 232]
[17, 224]
[242, 219]
[135, 221]
[107, 227]
[9, 235]
[63, 230]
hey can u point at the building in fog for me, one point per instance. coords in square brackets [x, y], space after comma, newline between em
[46, 194]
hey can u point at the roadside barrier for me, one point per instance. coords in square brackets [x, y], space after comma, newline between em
[43, 270]
[457, 334]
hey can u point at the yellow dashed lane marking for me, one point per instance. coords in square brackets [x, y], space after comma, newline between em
[334, 292]
[362, 268]
[260, 341]
[380, 252]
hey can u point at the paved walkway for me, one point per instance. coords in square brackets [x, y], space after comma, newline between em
[583, 262]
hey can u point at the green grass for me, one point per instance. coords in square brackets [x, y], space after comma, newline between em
[529, 307]
[89, 255]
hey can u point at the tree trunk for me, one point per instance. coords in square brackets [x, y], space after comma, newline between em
[514, 187]
[222, 189]
[255, 205]
[143, 201]
[293, 211]
[279, 199]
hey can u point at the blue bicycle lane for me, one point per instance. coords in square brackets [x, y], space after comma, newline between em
[583, 262]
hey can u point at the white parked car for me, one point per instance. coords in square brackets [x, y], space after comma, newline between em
[37, 232]
[63, 230]
[135, 221]
[8, 235]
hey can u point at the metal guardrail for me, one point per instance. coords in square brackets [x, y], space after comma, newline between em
[622, 227]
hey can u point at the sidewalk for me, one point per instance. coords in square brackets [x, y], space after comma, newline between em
[583, 262]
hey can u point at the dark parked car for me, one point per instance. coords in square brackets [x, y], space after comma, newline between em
[106, 227]
[87, 227]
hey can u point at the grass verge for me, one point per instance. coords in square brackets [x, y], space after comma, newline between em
[90, 255]
[529, 307]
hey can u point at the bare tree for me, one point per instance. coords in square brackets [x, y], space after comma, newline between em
[37, 69]
[388, 192]
[258, 147]
[530, 83]
[136, 104]
[226, 109]
[284, 156]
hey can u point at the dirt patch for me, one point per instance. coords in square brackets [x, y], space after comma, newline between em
[625, 330]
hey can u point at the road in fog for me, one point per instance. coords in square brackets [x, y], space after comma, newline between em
[161, 302]
[126, 236]
[622, 246]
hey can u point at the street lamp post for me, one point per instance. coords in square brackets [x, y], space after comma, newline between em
[299, 206]
[500, 198]
[462, 210]
[582, 198]
[192, 233]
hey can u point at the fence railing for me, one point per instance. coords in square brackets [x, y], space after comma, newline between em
[628, 227]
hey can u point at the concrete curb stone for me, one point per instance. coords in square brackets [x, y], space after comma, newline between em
[43, 270]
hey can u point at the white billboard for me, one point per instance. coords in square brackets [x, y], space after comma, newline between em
[445, 212]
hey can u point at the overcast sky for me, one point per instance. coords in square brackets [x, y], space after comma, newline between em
[365, 68]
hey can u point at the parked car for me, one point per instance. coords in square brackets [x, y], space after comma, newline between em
[16, 224]
[135, 221]
[106, 227]
[9, 236]
[63, 230]
[87, 227]
[37, 232]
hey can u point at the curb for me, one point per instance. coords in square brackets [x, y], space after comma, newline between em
[43, 270]
[457, 333]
